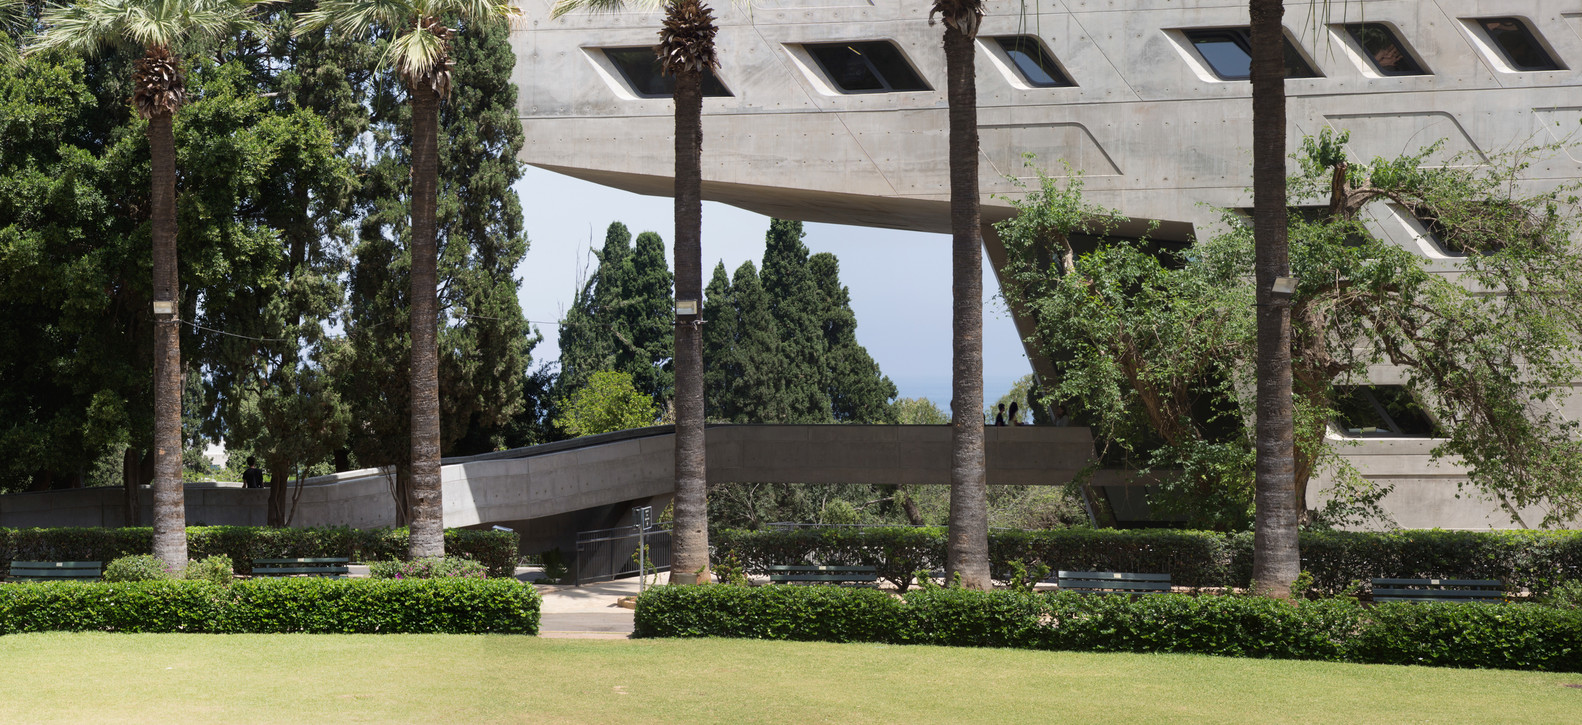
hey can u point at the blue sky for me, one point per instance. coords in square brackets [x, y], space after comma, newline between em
[899, 281]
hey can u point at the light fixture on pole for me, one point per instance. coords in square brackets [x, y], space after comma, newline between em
[686, 308]
[164, 307]
[1282, 289]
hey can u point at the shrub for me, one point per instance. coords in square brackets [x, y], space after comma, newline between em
[431, 567]
[1565, 596]
[213, 569]
[496, 550]
[1513, 636]
[136, 568]
[267, 606]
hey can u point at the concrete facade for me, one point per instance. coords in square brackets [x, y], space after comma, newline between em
[1155, 132]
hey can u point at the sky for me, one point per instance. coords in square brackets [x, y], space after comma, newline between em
[899, 281]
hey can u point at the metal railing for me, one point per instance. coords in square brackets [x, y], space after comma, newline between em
[606, 554]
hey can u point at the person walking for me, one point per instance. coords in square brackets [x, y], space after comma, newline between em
[1016, 414]
[999, 418]
[252, 477]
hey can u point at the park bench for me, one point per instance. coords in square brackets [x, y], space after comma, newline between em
[55, 571]
[815, 574]
[334, 566]
[1438, 590]
[1113, 582]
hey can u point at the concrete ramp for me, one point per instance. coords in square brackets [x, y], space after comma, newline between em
[604, 472]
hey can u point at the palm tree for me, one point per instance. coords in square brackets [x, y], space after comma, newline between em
[967, 554]
[1275, 561]
[686, 51]
[419, 52]
[13, 23]
[156, 27]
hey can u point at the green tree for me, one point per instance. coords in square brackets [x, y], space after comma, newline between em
[686, 52]
[719, 346]
[156, 27]
[14, 23]
[608, 403]
[918, 411]
[419, 50]
[794, 300]
[621, 318]
[857, 390]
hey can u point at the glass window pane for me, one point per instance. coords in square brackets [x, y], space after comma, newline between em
[1035, 65]
[866, 67]
[1517, 43]
[1384, 50]
[1228, 52]
[640, 68]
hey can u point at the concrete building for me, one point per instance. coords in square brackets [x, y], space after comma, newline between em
[834, 111]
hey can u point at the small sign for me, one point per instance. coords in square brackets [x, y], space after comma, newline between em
[643, 516]
[686, 307]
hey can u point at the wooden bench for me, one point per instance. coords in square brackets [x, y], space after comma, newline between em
[1113, 582]
[334, 566]
[1438, 590]
[38, 571]
[813, 574]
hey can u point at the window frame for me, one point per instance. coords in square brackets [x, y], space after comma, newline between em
[1525, 28]
[1354, 31]
[612, 53]
[887, 84]
[1241, 37]
[1057, 72]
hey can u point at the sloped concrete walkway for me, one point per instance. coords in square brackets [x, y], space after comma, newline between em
[588, 612]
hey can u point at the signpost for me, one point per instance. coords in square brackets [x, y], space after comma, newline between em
[643, 516]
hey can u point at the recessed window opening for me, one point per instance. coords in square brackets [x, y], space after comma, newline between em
[1471, 229]
[1377, 411]
[874, 66]
[1385, 51]
[1517, 44]
[640, 68]
[1033, 62]
[1228, 53]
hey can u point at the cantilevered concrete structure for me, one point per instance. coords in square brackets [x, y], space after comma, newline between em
[835, 111]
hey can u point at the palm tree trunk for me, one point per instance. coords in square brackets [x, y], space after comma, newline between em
[967, 554]
[170, 513]
[690, 559]
[1275, 560]
[427, 521]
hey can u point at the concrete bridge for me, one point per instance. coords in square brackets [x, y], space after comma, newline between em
[548, 492]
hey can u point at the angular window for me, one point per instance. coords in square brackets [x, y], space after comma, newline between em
[1517, 44]
[1228, 52]
[640, 68]
[1030, 59]
[1380, 410]
[1385, 51]
[875, 66]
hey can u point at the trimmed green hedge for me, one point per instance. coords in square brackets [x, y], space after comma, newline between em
[1510, 636]
[1536, 560]
[494, 549]
[270, 606]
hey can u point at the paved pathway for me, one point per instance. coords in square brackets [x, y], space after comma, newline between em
[588, 612]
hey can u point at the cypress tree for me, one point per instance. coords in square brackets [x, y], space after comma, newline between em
[720, 364]
[858, 392]
[794, 300]
[622, 318]
[757, 394]
[647, 316]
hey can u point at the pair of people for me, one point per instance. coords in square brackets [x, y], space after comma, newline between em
[1016, 416]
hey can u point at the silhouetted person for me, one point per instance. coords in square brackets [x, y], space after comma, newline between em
[252, 477]
[1061, 418]
[1016, 414]
[999, 418]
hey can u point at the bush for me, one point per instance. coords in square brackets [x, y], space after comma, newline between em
[1536, 560]
[1512, 636]
[496, 550]
[1565, 596]
[430, 567]
[213, 569]
[137, 568]
[268, 606]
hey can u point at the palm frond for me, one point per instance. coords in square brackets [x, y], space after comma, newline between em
[562, 7]
[86, 26]
[415, 54]
[357, 18]
[13, 23]
[470, 10]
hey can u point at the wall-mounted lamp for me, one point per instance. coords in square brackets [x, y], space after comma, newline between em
[686, 308]
[498, 527]
[1283, 288]
[164, 307]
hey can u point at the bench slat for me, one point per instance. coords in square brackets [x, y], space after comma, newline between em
[1441, 582]
[299, 570]
[55, 573]
[56, 564]
[325, 560]
[1114, 575]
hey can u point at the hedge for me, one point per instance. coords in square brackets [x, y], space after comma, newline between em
[1536, 560]
[496, 550]
[1510, 636]
[271, 606]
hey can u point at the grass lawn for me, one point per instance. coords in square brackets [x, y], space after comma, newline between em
[442, 679]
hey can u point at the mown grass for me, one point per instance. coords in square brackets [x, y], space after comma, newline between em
[94, 677]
